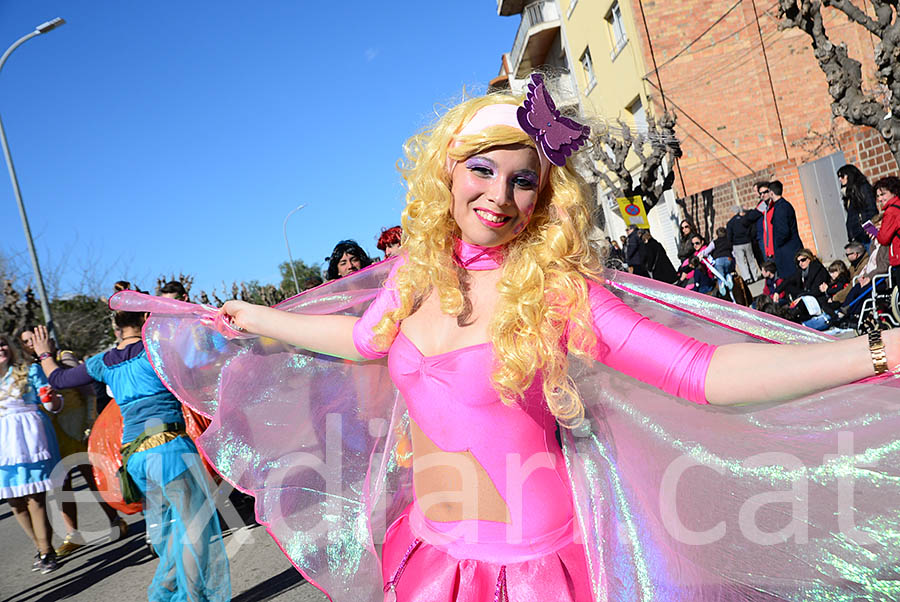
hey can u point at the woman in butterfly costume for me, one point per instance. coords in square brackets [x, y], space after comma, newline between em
[458, 455]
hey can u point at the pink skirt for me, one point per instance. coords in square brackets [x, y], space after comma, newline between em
[417, 571]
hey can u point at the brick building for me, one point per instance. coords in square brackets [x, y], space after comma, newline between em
[742, 119]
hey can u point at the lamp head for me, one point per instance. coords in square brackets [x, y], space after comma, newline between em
[50, 25]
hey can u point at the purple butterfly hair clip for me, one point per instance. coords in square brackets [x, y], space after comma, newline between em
[557, 136]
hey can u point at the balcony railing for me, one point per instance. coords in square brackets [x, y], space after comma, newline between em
[563, 89]
[534, 15]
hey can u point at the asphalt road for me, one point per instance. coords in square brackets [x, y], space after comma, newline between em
[121, 570]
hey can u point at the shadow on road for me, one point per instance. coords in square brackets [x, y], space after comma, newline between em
[280, 583]
[104, 561]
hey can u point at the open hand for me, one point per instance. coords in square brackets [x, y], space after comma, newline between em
[41, 340]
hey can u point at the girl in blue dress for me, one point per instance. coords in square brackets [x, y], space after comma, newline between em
[28, 449]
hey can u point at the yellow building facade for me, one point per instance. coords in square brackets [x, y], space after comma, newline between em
[607, 65]
[596, 43]
[596, 46]
[605, 59]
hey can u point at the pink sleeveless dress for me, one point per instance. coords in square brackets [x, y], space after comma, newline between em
[536, 555]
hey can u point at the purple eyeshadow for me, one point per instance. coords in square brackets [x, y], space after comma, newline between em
[473, 162]
[530, 176]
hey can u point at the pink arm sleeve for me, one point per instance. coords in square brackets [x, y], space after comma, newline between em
[657, 355]
[363, 337]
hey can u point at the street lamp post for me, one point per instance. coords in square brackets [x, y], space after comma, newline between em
[288, 245]
[45, 303]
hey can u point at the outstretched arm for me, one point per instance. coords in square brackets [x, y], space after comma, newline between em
[348, 337]
[751, 372]
[329, 334]
[728, 374]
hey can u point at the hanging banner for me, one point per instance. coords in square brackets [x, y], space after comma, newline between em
[632, 209]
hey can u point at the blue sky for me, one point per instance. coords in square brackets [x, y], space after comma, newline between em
[159, 137]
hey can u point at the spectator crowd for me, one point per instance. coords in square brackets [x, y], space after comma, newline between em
[762, 242]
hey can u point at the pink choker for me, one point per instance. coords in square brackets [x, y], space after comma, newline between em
[477, 258]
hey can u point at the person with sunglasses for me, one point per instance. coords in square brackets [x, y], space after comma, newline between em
[692, 274]
[848, 298]
[776, 228]
[808, 299]
[686, 232]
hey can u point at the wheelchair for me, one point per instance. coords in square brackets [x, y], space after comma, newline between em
[614, 263]
[880, 309]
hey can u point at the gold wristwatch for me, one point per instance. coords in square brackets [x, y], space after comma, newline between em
[876, 348]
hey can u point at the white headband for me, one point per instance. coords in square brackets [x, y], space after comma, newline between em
[489, 116]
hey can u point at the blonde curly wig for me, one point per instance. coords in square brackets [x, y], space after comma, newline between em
[542, 287]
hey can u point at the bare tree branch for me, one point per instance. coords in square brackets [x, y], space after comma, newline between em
[843, 73]
[857, 15]
[607, 180]
[816, 142]
[656, 174]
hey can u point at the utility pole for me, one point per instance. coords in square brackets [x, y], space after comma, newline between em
[42, 292]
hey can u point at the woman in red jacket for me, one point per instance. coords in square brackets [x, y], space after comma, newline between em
[887, 193]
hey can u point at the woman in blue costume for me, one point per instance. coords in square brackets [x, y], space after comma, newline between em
[28, 449]
[163, 464]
